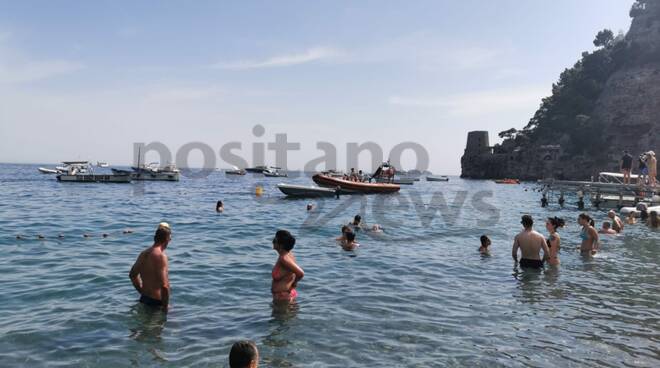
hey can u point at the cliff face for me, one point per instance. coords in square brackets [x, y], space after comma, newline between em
[623, 114]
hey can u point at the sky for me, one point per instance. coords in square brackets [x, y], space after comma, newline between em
[88, 79]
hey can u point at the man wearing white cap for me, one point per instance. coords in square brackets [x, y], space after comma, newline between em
[149, 274]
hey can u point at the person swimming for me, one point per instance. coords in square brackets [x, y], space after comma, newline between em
[630, 219]
[344, 229]
[376, 228]
[286, 272]
[149, 273]
[617, 224]
[219, 207]
[589, 235]
[310, 206]
[653, 221]
[244, 354]
[530, 243]
[356, 224]
[552, 224]
[607, 229]
[485, 244]
[350, 243]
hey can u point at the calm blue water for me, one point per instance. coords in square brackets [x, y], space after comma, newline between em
[418, 296]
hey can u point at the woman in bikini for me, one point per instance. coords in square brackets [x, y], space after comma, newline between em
[554, 240]
[286, 272]
[589, 235]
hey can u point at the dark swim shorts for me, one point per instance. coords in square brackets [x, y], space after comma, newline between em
[531, 263]
[150, 301]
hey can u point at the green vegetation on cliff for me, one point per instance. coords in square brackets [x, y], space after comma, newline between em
[565, 117]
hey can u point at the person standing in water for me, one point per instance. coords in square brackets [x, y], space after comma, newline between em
[286, 272]
[626, 166]
[485, 244]
[244, 354]
[530, 244]
[589, 235]
[350, 243]
[617, 224]
[219, 207]
[554, 240]
[149, 274]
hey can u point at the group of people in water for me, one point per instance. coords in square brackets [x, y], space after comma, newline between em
[536, 250]
[150, 273]
[647, 166]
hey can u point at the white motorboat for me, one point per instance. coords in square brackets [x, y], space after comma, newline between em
[235, 171]
[101, 164]
[306, 191]
[437, 178]
[44, 170]
[396, 180]
[153, 172]
[274, 173]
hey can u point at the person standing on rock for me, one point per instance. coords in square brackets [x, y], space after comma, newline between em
[652, 164]
[626, 166]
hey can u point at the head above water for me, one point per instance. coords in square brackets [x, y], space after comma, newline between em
[284, 240]
[555, 223]
[611, 214]
[350, 236]
[607, 225]
[346, 229]
[357, 219]
[485, 241]
[585, 219]
[163, 234]
[527, 221]
[243, 354]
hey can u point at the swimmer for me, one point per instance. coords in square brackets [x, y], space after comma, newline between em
[485, 244]
[244, 354]
[554, 240]
[376, 229]
[310, 206]
[86, 236]
[530, 243]
[219, 207]
[61, 236]
[41, 236]
[654, 221]
[350, 243]
[286, 272]
[589, 235]
[607, 229]
[630, 219]
[617, 224]
[19, 237]
[149, 274]
[128, 231]
[344, 229]
[105, 235]
[356, 223]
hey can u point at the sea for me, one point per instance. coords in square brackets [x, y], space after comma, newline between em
[418, 294]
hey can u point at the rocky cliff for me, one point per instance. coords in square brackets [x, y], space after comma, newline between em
[609, 101]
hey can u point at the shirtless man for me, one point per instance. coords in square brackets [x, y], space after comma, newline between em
[617, 224]
[530, 243]
[149, 274]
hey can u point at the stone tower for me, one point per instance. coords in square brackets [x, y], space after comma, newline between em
[477, 143]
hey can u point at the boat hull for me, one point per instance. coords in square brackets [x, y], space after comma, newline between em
[437, 178]
[355, 187]
[94, 178]
[305, 191]
[43, 170]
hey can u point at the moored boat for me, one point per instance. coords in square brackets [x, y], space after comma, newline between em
[235, 171]
[306, 191]
[257, 169]
[507, 181]
[437, 178]
[274, 173]
[94, 178]
[347, 186]
[44, 170]
[396, 180]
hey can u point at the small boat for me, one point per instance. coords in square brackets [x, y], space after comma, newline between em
[101, 164]
[274, 173]
[153, 172]
[256, 169]
[347, 186]
[507, 181]
[235, 171]
[44, 170]
[306, 191]
[94, 178]
[437, 178]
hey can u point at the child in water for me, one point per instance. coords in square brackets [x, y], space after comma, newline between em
[350, 243]
[485, 244]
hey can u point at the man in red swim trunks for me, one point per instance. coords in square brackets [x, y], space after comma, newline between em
[149, 274]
